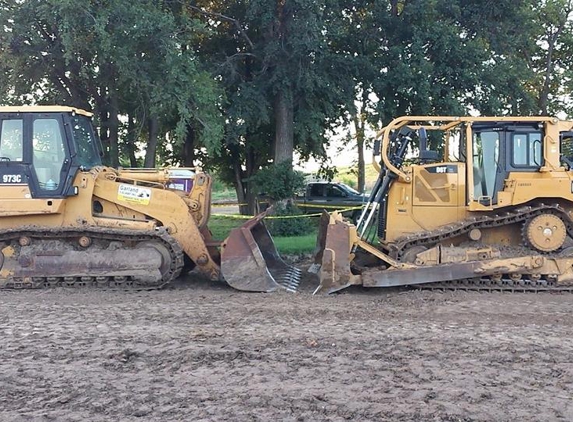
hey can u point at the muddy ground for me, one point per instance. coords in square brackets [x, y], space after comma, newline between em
[209, 353]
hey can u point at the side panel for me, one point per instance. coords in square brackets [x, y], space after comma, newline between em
[435, 197]
[524, 187]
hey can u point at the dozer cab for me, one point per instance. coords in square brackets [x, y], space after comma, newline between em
[65, 219]
[492, 209]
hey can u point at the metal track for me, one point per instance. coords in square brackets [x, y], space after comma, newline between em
[503, 283]
[70, 235]
[430, 238]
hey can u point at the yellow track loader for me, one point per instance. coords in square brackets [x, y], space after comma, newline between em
[65, 219]
[491, 207]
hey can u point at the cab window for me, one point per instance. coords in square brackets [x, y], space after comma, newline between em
[485, 162]
[48, 152]
[526, 149]
[11, 134]
[85, 141]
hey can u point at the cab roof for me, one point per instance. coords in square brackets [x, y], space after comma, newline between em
[44, 109]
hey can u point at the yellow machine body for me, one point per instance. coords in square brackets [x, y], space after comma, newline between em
[495, 198]
[67, 219]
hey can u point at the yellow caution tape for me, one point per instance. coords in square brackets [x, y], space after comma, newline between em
[298, 204]
[235, 204]
[270, 217]
[230, 204]
[329, 207]
[280, 217]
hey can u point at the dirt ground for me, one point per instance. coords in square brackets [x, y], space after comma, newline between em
[209, 353]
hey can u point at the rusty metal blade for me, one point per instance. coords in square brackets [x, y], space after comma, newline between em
[250, 260]
[320, 241]
[335, 272]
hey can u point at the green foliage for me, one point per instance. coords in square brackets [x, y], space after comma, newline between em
[114, 57]
[349, 180]
[210, 72]
[327, 172]
[219, 185]
[278, 181]
[298, 226]
[261, 49]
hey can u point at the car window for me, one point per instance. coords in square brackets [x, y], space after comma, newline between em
[317, 190]
[334, 191]
[349, 189]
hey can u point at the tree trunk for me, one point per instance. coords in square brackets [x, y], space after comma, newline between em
[113, 131]
[188, 157]
[104, 132]
[246, 196]
[359, 120]
[130, 139]
[284, 122]
[251, 168]
[361, 164]
[238, 177]
[394, 7]
[150, 154]
[240, 188]
[544, 94]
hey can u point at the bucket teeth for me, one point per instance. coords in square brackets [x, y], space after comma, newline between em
[288, 278]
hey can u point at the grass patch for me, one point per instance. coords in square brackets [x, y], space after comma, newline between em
[288, 245]
[296, 245]
[221, 226]
[224, 195]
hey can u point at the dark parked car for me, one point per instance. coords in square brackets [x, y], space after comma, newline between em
[331, 196]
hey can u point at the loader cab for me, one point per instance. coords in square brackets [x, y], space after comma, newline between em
[43, 148]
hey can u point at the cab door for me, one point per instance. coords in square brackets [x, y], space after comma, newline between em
[497, 151]
[487, 165]
[34, 154]
[14, 171]
[49, 153]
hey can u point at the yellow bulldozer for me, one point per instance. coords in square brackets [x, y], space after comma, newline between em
[65, 219]
[491, 207]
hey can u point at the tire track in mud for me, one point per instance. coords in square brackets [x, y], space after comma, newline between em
[210, 353]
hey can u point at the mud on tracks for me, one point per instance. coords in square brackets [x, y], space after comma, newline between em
[207, 352]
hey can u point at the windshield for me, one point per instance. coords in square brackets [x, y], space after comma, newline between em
[349, 189]
[85, 141]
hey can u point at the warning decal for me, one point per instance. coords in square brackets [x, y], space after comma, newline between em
[134, 194]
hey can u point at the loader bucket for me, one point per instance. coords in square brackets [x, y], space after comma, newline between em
[250, 260]
[333, 254]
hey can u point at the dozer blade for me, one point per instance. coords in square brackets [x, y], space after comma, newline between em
[250, 260]
[333, 254]
[320, 242]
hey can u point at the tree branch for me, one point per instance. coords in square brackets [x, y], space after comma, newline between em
[228, 18]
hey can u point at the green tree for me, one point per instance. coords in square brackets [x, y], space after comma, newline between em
[281, 78]
[117, 58]
[434, 57]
